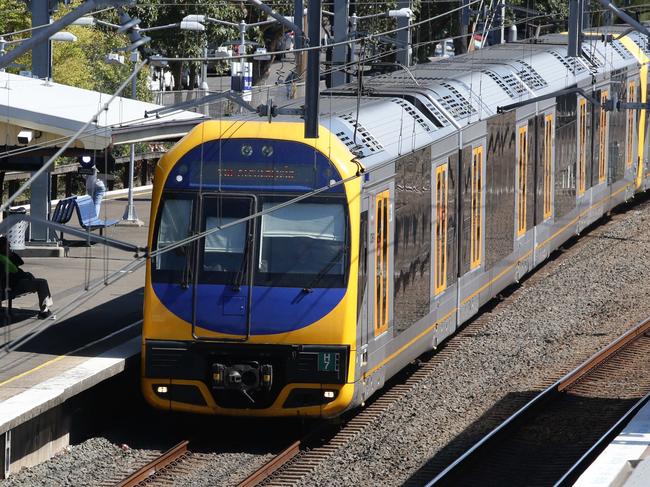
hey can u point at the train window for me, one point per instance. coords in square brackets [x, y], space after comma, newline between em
[602, 139]
[522, 164]
[363, 260]
[174, 226]
[440, 271]
[224, 251]
[303, 245]
[630, 126]
[477, 205]
[381, 263]
[548, 166]
[582, 146]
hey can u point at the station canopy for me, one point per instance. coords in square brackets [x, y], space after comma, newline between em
[47, 113]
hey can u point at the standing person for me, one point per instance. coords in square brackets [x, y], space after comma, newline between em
[21, 282]
[168, 80]
[96, 189]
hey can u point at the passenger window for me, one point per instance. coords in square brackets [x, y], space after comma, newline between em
[548, 166]
[440, 271]
[477, 204]
[363, 260]
[582, 147]
[381, 263]
[602, 139]
[630, 126]
[522, 164]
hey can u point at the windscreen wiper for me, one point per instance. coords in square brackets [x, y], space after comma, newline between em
[239, 277]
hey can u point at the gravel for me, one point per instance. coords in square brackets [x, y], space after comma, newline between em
[89, 463]
[552, 326]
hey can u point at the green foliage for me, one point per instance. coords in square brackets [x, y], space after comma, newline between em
[14, 16]
[82, 63]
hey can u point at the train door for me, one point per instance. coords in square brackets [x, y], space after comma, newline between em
[444, 275]
[381, 216]
[632, 136]
[472, 288]
[544, 182]
[223, 264]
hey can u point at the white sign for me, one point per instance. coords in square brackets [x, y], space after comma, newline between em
[247, 89]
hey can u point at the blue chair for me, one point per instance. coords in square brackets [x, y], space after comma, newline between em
[87, 217]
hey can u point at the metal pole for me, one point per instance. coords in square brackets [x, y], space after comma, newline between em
[404, 36]
[339, 53]
[503, 22]
[575, 15]
[41, 65]
[242, 52]
[130, 217]
[313, 71]
[204, 68]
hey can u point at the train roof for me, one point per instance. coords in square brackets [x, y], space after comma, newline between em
[410, 108]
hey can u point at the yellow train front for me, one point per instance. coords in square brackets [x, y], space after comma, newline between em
[257, 317]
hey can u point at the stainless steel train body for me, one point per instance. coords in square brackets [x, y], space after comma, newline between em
[470, 177]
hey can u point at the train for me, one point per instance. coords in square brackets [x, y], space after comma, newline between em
[293, 276]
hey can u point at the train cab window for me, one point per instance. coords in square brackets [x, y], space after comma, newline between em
[522, 164]
[224, 249]
[381, 263]
[476, 237]
[175, 222]
[548, 166]
[602, 139]
[630, 126]
[582, 147]
[440, 271]
[303, 245]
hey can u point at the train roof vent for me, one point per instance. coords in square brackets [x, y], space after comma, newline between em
[621, 49]
[642, 43]
[456, 104]
[436, 113]
[570, 63]
[412, 112]
[363, 136]
[531, 77]
[508, 83]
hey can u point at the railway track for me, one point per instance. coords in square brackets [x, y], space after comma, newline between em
[162, 469]
[554, 437]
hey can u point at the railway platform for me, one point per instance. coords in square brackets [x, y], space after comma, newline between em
[624, 462]
[46, 366]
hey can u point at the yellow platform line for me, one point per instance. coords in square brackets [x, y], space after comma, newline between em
[60, 357]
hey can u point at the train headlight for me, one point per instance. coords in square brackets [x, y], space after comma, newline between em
[246, 150]
[161, 389]
[328, 394]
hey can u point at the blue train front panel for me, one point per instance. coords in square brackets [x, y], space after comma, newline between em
[253, 316]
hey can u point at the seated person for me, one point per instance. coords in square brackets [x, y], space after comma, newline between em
[24, 282]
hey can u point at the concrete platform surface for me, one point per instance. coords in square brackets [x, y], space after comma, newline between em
[45, 362]
[621, 463]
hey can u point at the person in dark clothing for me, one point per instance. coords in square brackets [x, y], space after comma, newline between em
[20, 281]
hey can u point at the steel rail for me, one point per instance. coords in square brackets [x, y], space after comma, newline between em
[272, 466]
[553, 391]
[155, 466]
